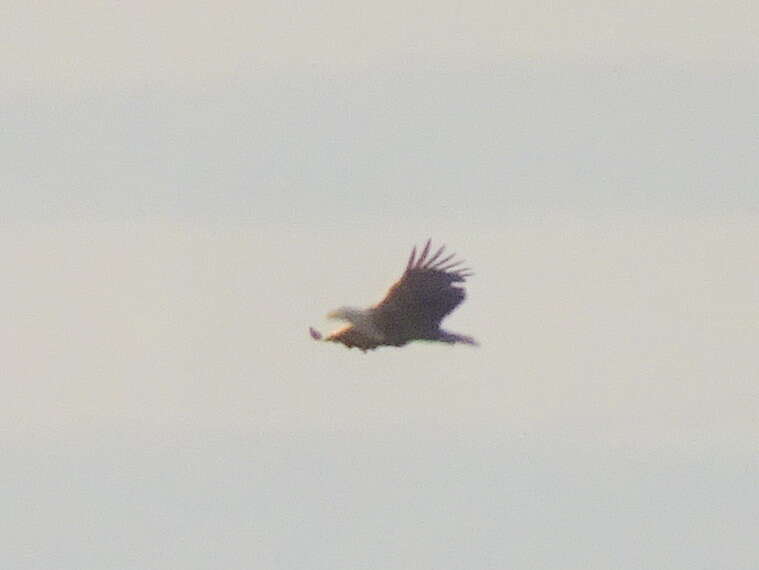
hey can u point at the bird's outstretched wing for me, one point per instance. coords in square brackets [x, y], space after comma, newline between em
[423, 295]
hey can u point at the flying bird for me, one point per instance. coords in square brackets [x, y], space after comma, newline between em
[412, 308]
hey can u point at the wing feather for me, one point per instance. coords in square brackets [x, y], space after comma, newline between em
[444, 261]
[411, 258]
[434, 257]
[414, 306]
[424, 253]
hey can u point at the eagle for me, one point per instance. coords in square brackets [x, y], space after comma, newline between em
[412, 309]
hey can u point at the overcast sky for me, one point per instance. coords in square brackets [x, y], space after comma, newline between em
[186, 187]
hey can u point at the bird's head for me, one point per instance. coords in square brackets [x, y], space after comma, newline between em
[350, 314]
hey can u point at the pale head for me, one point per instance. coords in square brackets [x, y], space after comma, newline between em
[350, 314]
[361, 319]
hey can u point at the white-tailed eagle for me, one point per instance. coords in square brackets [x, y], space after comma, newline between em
[411, 310]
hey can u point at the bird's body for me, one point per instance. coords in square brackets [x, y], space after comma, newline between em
[411, 310]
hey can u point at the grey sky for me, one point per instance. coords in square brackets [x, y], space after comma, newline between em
[188, 186]
[95, 43]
